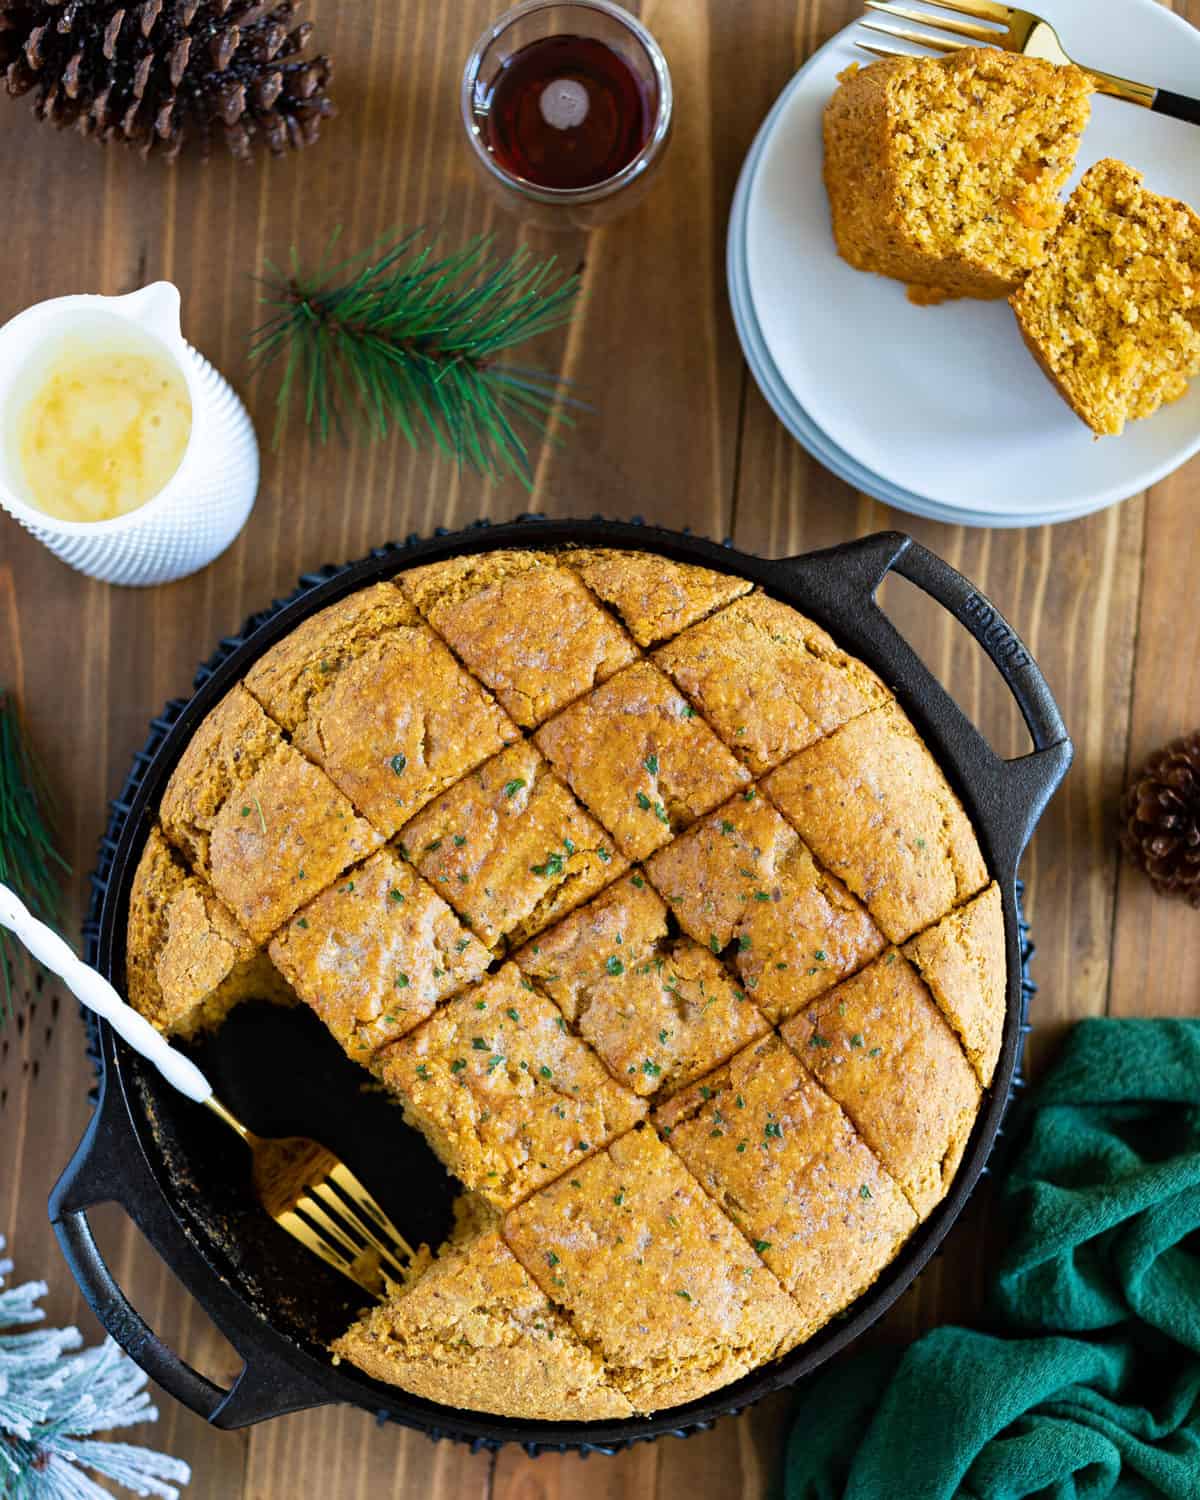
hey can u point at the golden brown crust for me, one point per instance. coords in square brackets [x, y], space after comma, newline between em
[506, 1096]
[524, 625]
[768, 680]
[874, 807]
[476, 1332]
[510, 848]
[375, 953]
[880, 1046]
[652, 1275]
[638, 755]
[962, 960]
[659, 1010]
[656, 598]
[774, 1151]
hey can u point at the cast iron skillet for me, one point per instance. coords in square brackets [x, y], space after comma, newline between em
[185, 1183]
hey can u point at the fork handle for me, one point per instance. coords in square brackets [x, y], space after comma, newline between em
[1178, 106]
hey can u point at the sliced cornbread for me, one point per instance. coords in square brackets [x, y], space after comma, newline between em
[654, 597]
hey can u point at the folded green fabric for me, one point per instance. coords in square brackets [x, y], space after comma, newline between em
[1103, 1405]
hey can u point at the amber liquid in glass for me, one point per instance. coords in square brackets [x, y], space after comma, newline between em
[566, 112]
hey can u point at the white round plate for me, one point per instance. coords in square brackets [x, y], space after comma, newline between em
[945, 402]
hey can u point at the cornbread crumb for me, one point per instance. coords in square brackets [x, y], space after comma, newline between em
[656, 598]
[1113, 313]
[945, 172]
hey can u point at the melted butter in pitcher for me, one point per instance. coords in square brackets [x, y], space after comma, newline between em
[103, 432]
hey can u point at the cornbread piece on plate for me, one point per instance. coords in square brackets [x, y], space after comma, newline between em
[880, 1045]
[768, 680]
[265, 827]
[652, 1275]
[872, 804]
[1113, 313]
[510, 848]
[944, 172]
[188, 962]
[639, 756]
[524, 625]
[962, 961]
[743, 880]
[476, 1332]
[658, 1009]
[656, 598]
[504, 1094]
[780, 1157]
[370, 694]
[375, 953]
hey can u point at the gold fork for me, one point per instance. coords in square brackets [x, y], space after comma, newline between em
[305, 1188]
[1014, 31]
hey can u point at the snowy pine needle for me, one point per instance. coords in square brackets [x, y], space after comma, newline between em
[410, 340]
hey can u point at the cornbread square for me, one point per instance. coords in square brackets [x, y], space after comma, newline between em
[944, 172]
[187, 960]
[742, 880]
[375, 953]
[476, 1332]
[504, 1094]
[881, 1047]
[265, 827]
[656, 598]
[769, 681]
[370, 694]
[524, 625]
[962, 961]
[773, 1150]
[641, 758]
[874, 807]
[510, 848]
[659, 1009]
[652, 1275]
[1112, 315]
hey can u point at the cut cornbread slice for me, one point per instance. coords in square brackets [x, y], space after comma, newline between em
[652, 1275]
[265, 827]
[769, 681]
[780, 1157]
[510, 848]
[641, 758]
[742, 879]
[375, 953]
[945, 172]
[656, 598]
[658, 1009]
[962, 961]
[504, 1094]
[881, 1047]
[188, 962]
[524, 625]
[476, 1332]
[370, 694]
[1113, 313]
[874, 807]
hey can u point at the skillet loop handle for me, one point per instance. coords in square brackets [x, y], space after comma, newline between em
[1009, 796]
[108, 1166]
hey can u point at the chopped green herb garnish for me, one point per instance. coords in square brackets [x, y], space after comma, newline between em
[761, 1245]
[479, 1044]
[301, 921]
[459, 840]
[512, 787]
[398, 763]
[422, 1070]
[637, 881]
[458, 1065]
[545, 1071]
[614, 965]
[643, 802]
[864, 1191]
[817, 1040]
[856, 1039]
[651, 764]
[774, 1129]
[552, 867]
[762, 895]
[727, 826]
[743, 943]
[583, 1145]
[401, 981]
[397, 896]
[874, 1051]
[680, 1292]
[551, 1258]
[819, 955]
[651, 1068]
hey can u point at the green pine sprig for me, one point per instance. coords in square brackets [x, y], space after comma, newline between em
[29, 862]
[411, 340]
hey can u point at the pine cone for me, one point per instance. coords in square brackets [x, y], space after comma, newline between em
[159, 73]
[1160, 814]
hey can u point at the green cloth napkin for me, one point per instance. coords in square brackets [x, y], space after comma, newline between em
[1090, 1388]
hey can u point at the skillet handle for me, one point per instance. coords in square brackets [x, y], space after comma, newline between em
[108, 1166]
[1007, 796]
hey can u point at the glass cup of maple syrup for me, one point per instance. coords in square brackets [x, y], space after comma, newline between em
[567, 106]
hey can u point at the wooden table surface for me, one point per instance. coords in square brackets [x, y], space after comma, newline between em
[679, 434]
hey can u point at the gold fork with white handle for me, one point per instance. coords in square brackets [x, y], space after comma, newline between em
[1012, 31]
[305, 1188]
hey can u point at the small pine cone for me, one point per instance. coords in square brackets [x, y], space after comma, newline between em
[158, 74]
[1160, 817]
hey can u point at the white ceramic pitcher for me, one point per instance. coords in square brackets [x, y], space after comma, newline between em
[204, 504]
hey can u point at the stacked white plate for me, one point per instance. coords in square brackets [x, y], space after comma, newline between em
[941, 411]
